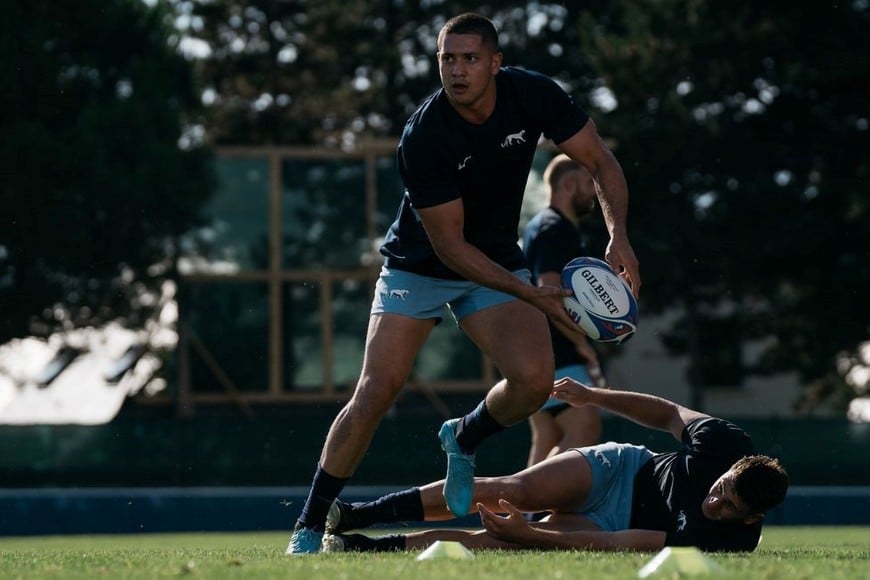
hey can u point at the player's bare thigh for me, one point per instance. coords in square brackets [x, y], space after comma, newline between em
[515, 336]
[559, 483]
[392, 343]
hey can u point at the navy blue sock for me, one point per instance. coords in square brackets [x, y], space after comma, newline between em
[324, 489]
[391, 543]
[475, 427]
[362, 543]
[405, 505]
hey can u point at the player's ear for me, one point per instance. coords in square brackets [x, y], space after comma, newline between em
[496, 61]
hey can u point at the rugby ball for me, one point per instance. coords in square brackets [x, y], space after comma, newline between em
[601, 302]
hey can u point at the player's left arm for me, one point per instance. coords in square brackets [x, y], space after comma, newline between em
[515, 528]
[642, 408]
[444, 225]
[587, 148]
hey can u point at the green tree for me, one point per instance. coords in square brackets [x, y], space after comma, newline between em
[330, 73]
[100, 161]
[290, 71]
[743, 127]
[295, 72]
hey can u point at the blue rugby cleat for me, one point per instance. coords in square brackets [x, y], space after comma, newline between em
[304, 541]
[459, 485]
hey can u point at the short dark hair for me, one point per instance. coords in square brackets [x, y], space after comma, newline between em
[760, 481]
[471, 23]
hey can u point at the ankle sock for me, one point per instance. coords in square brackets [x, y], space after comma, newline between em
[395, 507]
[361, 543]
[324, 489]
[475, 427]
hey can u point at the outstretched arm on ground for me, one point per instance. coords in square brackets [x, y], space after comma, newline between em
[515, 529]
[647, 410]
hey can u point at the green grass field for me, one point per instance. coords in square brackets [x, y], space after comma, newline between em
[786, 552]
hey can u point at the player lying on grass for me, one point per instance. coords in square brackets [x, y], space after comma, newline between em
[712, 494]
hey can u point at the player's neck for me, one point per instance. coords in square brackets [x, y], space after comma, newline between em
[566, 210]
[479, 111]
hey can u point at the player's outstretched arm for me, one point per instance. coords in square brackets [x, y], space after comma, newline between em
[587, 148]
[515, 528]
[647, 410]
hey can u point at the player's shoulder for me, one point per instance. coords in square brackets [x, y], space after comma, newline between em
[713, 424]
[427, 124]
[549, 218]
[428, 115]
[717, 436]
[526, 79]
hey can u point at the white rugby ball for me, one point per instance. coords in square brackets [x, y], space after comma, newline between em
[601, 302]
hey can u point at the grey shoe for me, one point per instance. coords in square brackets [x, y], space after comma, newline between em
[343, 518]
[332, 543]
[334, 518]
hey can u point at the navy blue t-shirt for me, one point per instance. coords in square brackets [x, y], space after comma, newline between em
[550, 241]
[670, 488]
[442, 157]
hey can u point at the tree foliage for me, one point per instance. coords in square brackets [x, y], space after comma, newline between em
[95, 184]
[741, 126]
[296, 72]
[743, 130]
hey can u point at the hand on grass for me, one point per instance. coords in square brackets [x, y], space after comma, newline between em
[510, 528]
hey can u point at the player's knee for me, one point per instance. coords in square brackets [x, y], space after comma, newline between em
[533, 392]
[517, 491]
[374, 397]
[490, 490]
[533, 382]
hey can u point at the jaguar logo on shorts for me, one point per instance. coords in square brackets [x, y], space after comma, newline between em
[603, 459]
[682, 520]
[400, 294]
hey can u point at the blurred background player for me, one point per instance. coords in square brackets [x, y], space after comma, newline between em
[551, 239]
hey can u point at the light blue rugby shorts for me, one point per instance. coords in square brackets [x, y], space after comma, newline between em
[422, 297]
[614, 466]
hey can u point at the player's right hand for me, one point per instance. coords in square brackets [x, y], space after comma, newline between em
[512, 527]
[572, 392]
[549, 299]
[620, 255]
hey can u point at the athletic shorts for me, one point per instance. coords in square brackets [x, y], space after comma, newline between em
[614, 466]
[422, 297]
[576, 372]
